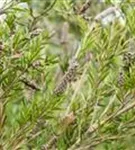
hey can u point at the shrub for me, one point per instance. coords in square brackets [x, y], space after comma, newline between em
[67, 75]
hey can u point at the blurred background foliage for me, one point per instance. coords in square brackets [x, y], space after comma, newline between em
[61, 46]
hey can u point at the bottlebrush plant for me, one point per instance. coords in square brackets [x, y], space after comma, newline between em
[67, 74]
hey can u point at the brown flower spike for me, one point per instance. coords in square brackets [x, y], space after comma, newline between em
[68, 77]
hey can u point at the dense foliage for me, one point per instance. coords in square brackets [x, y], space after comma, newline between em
[67, 74]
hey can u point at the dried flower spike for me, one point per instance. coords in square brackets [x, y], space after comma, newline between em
[68, 77]
[128, 59]
[121, 79]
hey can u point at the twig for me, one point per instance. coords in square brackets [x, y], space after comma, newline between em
[30, 84]
[98, 124]
[125, 109]
[49, 145]
[98, 141]
[108, 106]
[85, 6]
